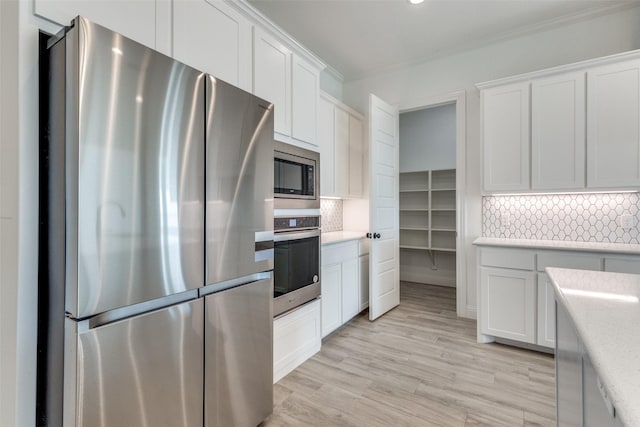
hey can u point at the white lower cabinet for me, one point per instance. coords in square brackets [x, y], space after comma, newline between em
[517, 299]
[331, 283]
[364, 281]
[546, 312]
[340, 285]
[514, 291]
[296, 337]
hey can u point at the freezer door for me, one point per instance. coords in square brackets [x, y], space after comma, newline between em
[239, 176]
[135, 172]
[143, 371]
[239, 355]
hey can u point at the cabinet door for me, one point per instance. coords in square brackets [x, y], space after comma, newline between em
[356, 153]
[327, 150]
[508, 299]
[613, 126]
[331, 285]
[546, 312]
[364, 282]
[296, 337]
[212, 37]
[505, 136]
[304, 107]
[350, 289]
[558, 132]
[341, 155]
[133, 19]
[272, 77]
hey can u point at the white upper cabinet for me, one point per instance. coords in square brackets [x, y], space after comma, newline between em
[272, 77]
[505, 136]
[356, 156]
[558, 132]
[613, 126]
[133, 19]
[292, 84]
[327, 148]
[341, 156]
[305, 92]
[340, 135]
[213, 37]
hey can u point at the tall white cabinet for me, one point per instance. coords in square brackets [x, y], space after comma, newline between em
[505, 132]
[215, 38]
[613, 125]
[558, 132]
[292, 84]
[272, 77]
[341, 139]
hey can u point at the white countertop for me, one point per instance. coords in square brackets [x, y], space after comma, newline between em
[340, 236]
[605, 310]
[620, 248]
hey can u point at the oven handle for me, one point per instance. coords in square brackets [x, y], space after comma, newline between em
[296, 235]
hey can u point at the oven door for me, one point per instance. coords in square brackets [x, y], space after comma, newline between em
[296, 269]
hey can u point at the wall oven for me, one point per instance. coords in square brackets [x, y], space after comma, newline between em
[296, 261]
[296, 177]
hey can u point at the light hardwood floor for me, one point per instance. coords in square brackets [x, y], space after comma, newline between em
[418, 365]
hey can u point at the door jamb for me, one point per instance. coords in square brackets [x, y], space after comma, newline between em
[459, 99]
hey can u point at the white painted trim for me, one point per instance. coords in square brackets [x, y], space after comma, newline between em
[334, 73]
[576, 66]
[267, 25]
[459, 99]
[341, 105]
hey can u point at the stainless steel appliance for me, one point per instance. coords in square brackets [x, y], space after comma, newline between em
[297, 262]
[296, 177]
[148, 165]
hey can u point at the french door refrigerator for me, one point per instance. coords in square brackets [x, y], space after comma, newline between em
[156, 237]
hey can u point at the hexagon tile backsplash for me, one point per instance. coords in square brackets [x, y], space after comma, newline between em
[331, 211]
[574, 217]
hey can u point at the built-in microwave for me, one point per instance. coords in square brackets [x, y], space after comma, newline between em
[296, 177]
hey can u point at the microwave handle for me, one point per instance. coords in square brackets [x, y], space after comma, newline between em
[295, 235]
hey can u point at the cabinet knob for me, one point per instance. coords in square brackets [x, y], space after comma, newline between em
[368, 235]
[376, 235]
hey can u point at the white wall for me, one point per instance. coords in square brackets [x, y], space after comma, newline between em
[428, 139]
[331, 83]
[591, 38]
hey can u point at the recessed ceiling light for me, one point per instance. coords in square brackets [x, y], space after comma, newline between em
[415, 1]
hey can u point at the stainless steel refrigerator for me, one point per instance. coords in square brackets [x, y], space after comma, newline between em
[156, 240]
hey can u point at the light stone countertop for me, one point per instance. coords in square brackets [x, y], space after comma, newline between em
[340, 236]
[605, 310]
[619, 248]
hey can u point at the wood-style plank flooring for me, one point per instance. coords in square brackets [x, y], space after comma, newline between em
[418, 365]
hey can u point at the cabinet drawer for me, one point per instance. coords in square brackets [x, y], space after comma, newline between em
[564, 260]
[629, 265]
[332, 254]
[508, 258]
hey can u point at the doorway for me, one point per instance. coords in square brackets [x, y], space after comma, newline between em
[431, 199]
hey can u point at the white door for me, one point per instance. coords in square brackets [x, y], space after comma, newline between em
[384, 284]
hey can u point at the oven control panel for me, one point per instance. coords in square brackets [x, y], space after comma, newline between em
[296, 223]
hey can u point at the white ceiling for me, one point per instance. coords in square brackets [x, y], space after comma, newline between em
[363, 37]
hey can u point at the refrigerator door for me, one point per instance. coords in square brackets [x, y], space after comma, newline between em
[239, 188]
[142, 371]
[239, 355]
[135, 172]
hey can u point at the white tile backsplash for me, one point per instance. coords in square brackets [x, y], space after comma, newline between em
[573, 217]
[331, 211]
